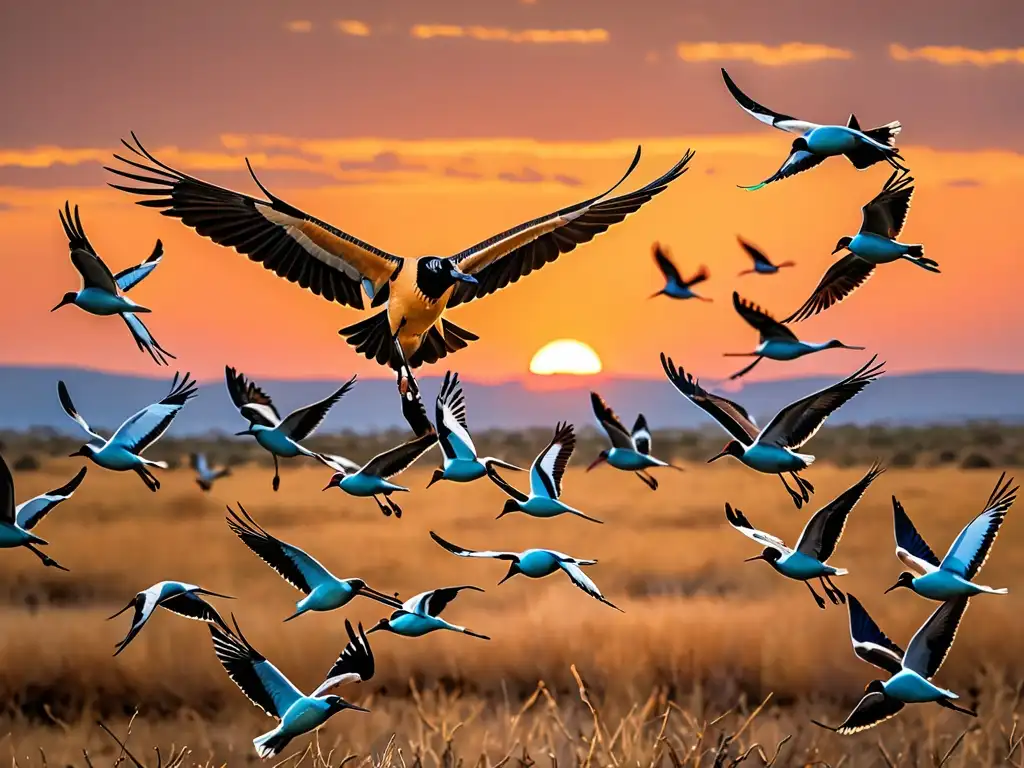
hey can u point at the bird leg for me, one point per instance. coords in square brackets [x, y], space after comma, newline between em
[649, 481]
[277, 473]
[47, 560]
[393, 505]
[805, 486]
[837, 590]
[386, 511]
[815, 595]
[151, 482]
[797, 499]
[745, 371]
[828, 592]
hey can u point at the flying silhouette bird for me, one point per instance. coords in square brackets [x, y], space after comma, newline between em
[630, 451]
[535, 564]
[421, 615]
[103, 293]
[675, 286]
[911, 672]
[174, 596]
[953, 576]
[123, 450]
[339, 267]
[275, 694]
[883, 219]
[817, 543]
[17, 521]
[816, 142]
[282, 438]
[206, 475]
[322, 589]
[460, 462]
[777, 342]
[772, 450]
[762, 264]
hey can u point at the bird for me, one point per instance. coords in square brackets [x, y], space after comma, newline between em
[460, 461]
[205, 474]
[333, 264]
[630, 451]
[952, 576]
[675, 286]
[883, 219]
[772, 450]
[282, 437]
[373, 479]
[123, 450]
[911, 672]
[178, 597]
[762, 264]
[322, 589]
[817, 543]
[103, 293]
[544, 499]
[421, 614]
[777, 342]
[268, 689]
[536, 564]
[17, 521]
[816, 142]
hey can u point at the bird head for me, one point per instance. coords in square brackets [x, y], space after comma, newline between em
[800, 145]
[875, 686]
[837, 344]
[85, 450]
[335, 481]
[435, 275]
[247, 431]
[513, 569]
[768, 554]
[438, 475]
[602, 456]
[69, 298]
[905, 580]
[844, 242]
[336, 704]
[381, 626]
[511, 505]
[732, 448]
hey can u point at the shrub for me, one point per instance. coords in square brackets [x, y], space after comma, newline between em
[976, 461]
[26, 463]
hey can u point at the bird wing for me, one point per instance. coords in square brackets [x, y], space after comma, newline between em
[823, 531]
[870, 643]
[95, 274]
[731, 417]
[253, 403]
[145, 427]
[298, 247]
[193, 607]
[128, 278]
[256, 677]
[450, 409]
[874, 708]
[762, 113]
[355, 662]
[760, 320]
[665, 263]
[796, 162]
[145, 603]
[399, 458]
[702, 274]
[299, 424]
[584, 582]
[839, 281]
[77, 239]
[291, 563]
[641, 435]
[549, 466]
[69, 409]
[610, 423]
[433, 602]
[756, 254]
[971, 549]
[517, 252]
[8, 512]
[462, 552]
[29, 513]
[798, 422]
[886, 213]
[930, 645]
[339, 463]
[911, 548]
[739, 521]
[144, 339]
[504, 485]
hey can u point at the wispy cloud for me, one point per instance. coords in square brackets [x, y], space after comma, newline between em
[502, 34]
[955, 55]
[299, 25]
[759, 53]
[353, 27]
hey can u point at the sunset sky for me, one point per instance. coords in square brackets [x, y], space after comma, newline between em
[424, 127]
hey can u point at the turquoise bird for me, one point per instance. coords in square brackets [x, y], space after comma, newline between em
[322, 589]
[103, 293]
[762, 264]
[275, 694]
[777, 342]
[545, 481]
[817, 543]
[536, 564]
[17, 522]
[178, 597]
[676, 287]
[460, 461]
[630, 451]
[952, 576]
[815, 143]
[911, 672]
[421, 615]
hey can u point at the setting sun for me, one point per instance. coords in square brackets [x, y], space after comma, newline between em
[565, 356]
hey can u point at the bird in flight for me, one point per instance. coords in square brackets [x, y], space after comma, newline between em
[630, 451]
[174, 596]
[421, 615]
[339, 267]
[762, 264]
[206, 475]
[677, 287]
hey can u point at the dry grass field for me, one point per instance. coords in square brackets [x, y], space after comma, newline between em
[703, 641]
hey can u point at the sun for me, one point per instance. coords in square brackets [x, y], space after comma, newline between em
[565, 356]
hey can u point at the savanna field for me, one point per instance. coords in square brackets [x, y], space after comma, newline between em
[676, 680]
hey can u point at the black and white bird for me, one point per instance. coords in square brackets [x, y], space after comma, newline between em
[676, 286]
[631, 450]
[421, 615]
[178, 597]
[762, 264]
[206, 475]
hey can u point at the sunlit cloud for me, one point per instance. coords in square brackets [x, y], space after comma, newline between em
[299, 25]
[759, 53]
[353, 27]
[502, 34]
[955, 55]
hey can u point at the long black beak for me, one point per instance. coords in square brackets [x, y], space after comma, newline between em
[357, 708]
[847, 346]
[370, 592]
[752, 559]
[718, 456]
[243, 432]
[595, 462]
[506, 577]
[202, 591]
[897, 585]
[837, 249]
[131, 604]
[62, 303]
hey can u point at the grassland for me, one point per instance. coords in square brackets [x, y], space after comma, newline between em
[703, 635]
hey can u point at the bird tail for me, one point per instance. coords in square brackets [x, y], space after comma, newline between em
[915, 251]
[150, 463]
[840, 572]
[372, 338]
[270, 743]
[865, 156]
[993, 591]
[885, 134]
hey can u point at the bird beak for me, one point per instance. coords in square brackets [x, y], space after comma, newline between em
[131, 604]
[357, 708]
[327, 487]
[374, 628]
[433, 480]
[837, 249]
[506, 577]
[243, 432]
[595, 462]
[62, 303]
[752, 559]
[890, 589]
[371, 592]
[72, 455]
[458, 274]
[717, 456]
[847, 346]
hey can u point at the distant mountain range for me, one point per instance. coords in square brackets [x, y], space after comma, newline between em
[28, 398]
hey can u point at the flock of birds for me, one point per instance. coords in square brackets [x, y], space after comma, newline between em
[412, 329]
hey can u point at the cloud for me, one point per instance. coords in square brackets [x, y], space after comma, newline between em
[5, 206]
[964, 183]
[569, 181]
[525, 176]
[458, 173]
[299, 25]
[353, 27]
[955, 55]
[759, 53]
[383, 162]
[502, 34]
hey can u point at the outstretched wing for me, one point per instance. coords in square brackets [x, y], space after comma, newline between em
[823, 531]
[871, 710]
[912, 550]
[641, 435]
[354, 664]
[760, 320]
[256, 677]
[870, 643]
[127, 279]
[549, 466]
[145, 340]
[762, 113]
[610, 423]
[191, 606]
[299, 425]
[584, 582]
[436, 600]
[400, 458]
[755, 253]
[839, 281]
[798, 161]
[253, 403]
[70, 410]
[886, 212]
[732, 417]
[145, 427]
[971, 548]
[95, 274]
[29, 513]
[665, 264]
[8, 512]
[930, 645]
[452, 429]
[739, 521]
[463, 552]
